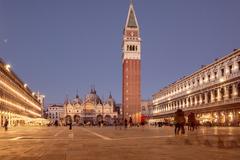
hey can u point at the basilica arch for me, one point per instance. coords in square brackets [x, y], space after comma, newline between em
[76, 119]
[108, 119]
[68, 119]
[99, 118]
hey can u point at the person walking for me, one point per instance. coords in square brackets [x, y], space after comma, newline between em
[191, 121]
[125, 123]
[130, 122]
[115, 123]
[70, 124]
[6, 125]
[179, 120]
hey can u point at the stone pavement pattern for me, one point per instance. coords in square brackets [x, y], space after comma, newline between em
[59, 143]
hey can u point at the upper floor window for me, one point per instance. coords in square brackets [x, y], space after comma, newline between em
[215, 75]
[222, 72]
[230, 69]
[209, 78]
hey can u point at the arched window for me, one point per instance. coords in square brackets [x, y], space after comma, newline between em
[208, 97]
[127, 47]
[215, 94]
[221, 93]
[136, 48]
[230, 91]
[197, 100]
[133, 48]
[238, 89]
[203, 98]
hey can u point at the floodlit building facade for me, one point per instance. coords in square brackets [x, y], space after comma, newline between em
[18, 104]
[212, 92]
[90, 110]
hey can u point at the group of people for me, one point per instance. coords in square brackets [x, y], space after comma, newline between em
[180, 122]
[126, 123]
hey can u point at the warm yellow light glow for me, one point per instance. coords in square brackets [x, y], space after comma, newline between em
[25, 85]
[221, 80]
[20, 95]
[238, 112]
[33, 93]
[188, 92]
[235, 68]
[8, 67]
[19, 107]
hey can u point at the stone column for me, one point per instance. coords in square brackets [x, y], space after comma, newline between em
[195, 102]
[200, 99]
[187, 104]
[226, 93]
[191, 101]
[212, 96]
[218, 94]
[206, 97]
[235, 90]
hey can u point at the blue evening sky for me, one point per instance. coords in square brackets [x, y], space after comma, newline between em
[59, 46]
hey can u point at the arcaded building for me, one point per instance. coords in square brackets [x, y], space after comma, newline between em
[91, 109]
[212, 92]
[18, 104]
[131, 68]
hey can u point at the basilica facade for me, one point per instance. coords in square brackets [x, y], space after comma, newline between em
[90, 109]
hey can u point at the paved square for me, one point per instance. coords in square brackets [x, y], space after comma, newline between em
[59, 143]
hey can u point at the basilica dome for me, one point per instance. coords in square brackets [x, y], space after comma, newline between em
[92, 97]
[110, 100]
[77, 100]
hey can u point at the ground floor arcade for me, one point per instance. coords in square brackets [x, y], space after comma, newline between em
[224, 115]
[15, 120]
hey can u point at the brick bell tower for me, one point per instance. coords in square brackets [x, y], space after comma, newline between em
[131, 68]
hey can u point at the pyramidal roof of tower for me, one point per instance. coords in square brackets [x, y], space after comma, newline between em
[131, 19]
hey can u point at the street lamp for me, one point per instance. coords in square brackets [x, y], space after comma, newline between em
[8, 67]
